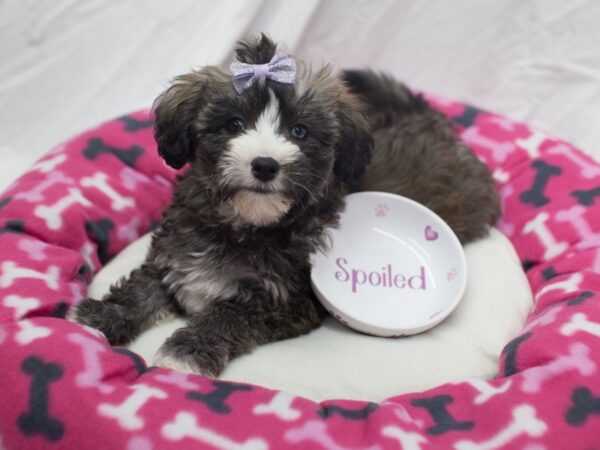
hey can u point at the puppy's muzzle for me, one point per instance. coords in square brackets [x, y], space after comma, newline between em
[264, 169]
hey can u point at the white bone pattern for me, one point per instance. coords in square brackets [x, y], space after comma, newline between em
[11, 272]
[408, 440]
[92, 374]
[21, 305]
[316, 431]
[29, 332]
[503, 122]
[126, 413]
[499, 150]
[574, 215]
[49, 164]
[588, 169]
[486, 390]
[504, 226]
[33, 248]
[280, 406]
[500, 175]
[131, 179]
[544, 319]
[532, 143]
[577, 359]
[524, 422]
[36, 193]
[538, 226]
[185, 425]
[567, 286]
[580, 322]
[175, 378]
[100, 181]
[52, 214]
[129, 232]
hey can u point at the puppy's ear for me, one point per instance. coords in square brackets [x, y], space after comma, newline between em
[175, 111]
[353, 149]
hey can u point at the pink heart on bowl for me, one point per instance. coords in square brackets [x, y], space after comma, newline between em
[430, 234]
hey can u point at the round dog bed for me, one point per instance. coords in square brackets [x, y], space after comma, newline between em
[334, 361]
[64, 386]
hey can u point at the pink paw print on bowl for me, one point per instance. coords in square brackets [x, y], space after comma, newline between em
[381, 210]
[452, 274]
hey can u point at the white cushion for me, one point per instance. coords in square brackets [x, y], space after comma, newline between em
[336, 362]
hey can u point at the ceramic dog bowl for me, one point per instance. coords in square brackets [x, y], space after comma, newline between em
[394, 267]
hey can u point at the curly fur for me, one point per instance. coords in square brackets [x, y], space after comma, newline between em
[417, 154]
[231, 253]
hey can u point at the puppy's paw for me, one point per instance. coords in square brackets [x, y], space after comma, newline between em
[72, 315]
[181, 356]
[102, 316]
[170, 361]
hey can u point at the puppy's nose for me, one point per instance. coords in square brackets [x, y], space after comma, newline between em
[264, 169]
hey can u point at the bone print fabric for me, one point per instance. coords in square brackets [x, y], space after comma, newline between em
[64, 387]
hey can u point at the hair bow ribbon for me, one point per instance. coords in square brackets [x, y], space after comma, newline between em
[281, 68]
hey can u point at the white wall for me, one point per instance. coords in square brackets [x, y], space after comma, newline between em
[66, 65]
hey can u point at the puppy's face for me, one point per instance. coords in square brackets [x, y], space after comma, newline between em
[263, 151]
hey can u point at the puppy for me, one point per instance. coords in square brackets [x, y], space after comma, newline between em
[418, 155]
[271, 157]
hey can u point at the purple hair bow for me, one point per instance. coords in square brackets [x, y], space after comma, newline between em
[281, 68]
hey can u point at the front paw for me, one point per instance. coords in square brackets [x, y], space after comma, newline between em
[182, 355]
[103, 316]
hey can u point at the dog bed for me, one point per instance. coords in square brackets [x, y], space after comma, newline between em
[335, 362]
[65, 387]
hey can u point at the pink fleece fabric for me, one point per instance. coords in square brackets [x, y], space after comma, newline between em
[63, 386]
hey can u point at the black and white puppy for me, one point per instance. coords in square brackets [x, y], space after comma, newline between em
[268, 170]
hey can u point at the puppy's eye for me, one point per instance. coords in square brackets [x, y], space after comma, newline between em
[235, 125]
[299, 132]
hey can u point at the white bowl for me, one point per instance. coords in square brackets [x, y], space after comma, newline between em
[394, 268]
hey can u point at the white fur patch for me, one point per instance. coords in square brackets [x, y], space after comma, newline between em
[259, 209]
[269, 119]
[163, 315]
[277, 290]
[195, 287]
[262, 141]
[163, 359]
[71, 315]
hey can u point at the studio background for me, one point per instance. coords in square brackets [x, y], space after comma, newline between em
[68, 65]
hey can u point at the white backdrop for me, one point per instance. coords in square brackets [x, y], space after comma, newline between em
[66, 65]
